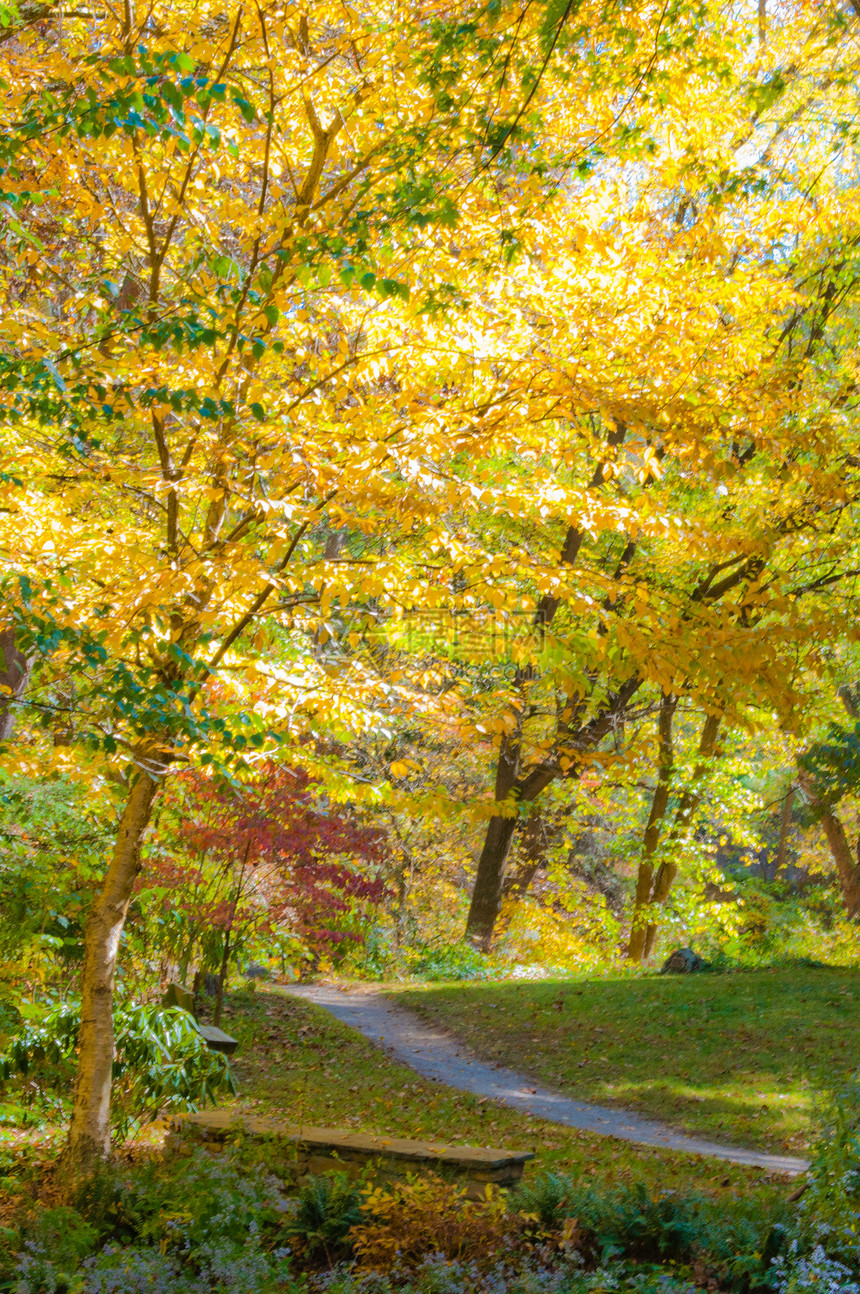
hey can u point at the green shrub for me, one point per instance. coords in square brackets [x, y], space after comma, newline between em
[10, 1246]
[187, 1227]
[164, 1064]
[328, 1208]
[54, 1246]
[632, 1223]
[546, 1199]
[828, 1216]
[189, 1203]
[375, 958]
[778, 927]
[458, 961]
[162, 1061]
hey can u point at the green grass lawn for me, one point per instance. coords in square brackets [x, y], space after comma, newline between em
[740, 1057]
[300, 1063]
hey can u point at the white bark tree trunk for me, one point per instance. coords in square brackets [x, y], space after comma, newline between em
[89, 1131]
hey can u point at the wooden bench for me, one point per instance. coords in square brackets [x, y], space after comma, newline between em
[215, 1039]
[309, 1150]
[180, 995]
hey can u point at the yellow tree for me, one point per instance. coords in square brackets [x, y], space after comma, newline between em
[232, 237]
[678, 486]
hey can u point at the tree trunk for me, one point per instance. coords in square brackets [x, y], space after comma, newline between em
[225, 959]
[536, 837]
[784, 829]
[489, 881]
[186, 955]
[689, 803]
[490, 878]
[222, 979]
[666, 873]
[15, 670]
[654, 828]
[89, 1131]
[847, 869]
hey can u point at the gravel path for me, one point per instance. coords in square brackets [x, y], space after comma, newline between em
[436, 1055]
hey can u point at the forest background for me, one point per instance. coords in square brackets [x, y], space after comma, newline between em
[429, 496]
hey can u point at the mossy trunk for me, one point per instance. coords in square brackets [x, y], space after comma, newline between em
[847, 867]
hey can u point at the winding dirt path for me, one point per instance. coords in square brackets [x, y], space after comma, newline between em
[437, 1056]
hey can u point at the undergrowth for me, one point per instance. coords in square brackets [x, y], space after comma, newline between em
[223, 1225]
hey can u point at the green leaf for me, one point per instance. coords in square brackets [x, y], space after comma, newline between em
[246, 109]
[55, 374]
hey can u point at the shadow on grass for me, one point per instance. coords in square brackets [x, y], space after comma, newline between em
[741, 1057]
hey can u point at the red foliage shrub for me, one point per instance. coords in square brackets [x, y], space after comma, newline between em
[279, 849]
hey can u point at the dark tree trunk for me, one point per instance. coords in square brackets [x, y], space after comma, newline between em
[654, 828]
[222, 980]
[689, 804]
[225, 958]
[489, 881]
[537, 836]
[573, 735]
[784, 828]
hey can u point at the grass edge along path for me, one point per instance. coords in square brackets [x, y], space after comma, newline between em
[439, 1057]
[741, 1058]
